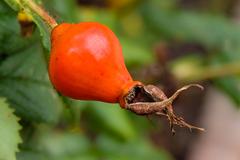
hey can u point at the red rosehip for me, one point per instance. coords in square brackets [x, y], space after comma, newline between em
[86, 63]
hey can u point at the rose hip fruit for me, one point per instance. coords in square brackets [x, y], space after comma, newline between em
[86, 63]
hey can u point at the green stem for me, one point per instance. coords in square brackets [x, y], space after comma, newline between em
[38, 10]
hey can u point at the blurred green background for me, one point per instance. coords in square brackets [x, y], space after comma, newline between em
[168, 43]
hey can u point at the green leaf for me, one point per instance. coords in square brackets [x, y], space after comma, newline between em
[43, 27]
[9, 132]
[13, 4]
[138, 149]
[24, 81]
[31, 155]
[212, 31]
[23, 73]
[65, 10]
[113, 119]
[50, 144]
[61, 144]
[11, 40]
[56, 144]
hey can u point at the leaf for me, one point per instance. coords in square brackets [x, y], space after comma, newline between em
[61, 144]
[138, 149]
[113, 118]
[31, 155]
[43, 27]
[66, 10]
[212, 31]
[13, 4]
[9, 132]
[23, 73]
[51, 144]
[24, 81]
[11, 40]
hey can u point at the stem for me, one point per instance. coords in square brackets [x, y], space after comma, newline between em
[40, 11]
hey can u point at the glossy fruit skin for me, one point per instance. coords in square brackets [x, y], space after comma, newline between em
[86, 62]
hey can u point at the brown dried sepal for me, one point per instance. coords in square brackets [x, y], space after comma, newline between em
[26, 23]
[149, 100]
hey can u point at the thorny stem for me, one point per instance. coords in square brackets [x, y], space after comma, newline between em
[162, 106]
[40, 11]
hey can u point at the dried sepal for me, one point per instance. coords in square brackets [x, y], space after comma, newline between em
[150, 100]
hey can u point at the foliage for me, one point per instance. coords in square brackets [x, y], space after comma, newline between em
[74, 129]
[216, 33]
[9, 132]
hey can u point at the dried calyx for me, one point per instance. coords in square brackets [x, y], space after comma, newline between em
[150, 100]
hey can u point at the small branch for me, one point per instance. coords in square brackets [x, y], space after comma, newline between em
[39, 11]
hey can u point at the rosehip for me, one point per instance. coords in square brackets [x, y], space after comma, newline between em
[86, 63]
